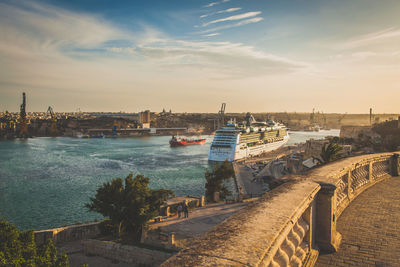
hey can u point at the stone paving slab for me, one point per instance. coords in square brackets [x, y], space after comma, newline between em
[370, 229]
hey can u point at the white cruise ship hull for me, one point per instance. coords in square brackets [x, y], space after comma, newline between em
[235, 153]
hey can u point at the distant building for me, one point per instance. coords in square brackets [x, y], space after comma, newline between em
[398, 122]
[118, 115]
[144, 119]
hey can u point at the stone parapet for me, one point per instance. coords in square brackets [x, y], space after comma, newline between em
[290, 224]
[68, 233]
[276, 230]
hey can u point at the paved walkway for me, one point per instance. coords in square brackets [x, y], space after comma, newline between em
[370, 229]
[200, 220]
[244, 177]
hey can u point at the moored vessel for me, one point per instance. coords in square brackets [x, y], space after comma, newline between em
[178, 141]
[247, 139]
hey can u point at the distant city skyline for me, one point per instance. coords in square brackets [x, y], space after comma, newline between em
[190, 56]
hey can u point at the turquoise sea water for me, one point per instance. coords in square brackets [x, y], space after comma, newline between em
[45, 182]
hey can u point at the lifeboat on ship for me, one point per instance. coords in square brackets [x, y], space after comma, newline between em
[179, 141]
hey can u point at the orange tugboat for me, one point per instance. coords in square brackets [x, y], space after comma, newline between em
[177, 141]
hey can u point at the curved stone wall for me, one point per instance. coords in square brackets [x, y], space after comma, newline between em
[290, 224]
[351, 176]
[274, 231]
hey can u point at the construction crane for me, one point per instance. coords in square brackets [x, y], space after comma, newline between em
[53, 125]
[324, 118]
[341, 118]
[370, 116]
[312, 116]
[288, 118]
[221, 116]
[23, 127]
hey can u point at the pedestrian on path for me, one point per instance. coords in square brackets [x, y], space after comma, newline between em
[186, 210]
[179, 210]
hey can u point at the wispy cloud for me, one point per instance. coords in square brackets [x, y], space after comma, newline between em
[216, 3]
[233, 18]
[211, 34]
[43, 28]
[225, 58]
[370, 38]
[238, 24]
[45, 46]
[229, 10]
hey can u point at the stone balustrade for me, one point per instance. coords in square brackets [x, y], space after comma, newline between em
[276, 230]
[289, 225]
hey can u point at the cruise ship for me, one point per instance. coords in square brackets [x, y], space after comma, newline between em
[247, 139]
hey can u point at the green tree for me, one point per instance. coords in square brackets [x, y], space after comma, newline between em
[19, 249]
[330, 152]
[215, 180]
[129, 203]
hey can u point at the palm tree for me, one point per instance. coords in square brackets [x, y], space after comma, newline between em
[330, 152]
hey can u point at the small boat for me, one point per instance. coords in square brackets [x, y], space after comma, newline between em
[178, 141]
[98, 136]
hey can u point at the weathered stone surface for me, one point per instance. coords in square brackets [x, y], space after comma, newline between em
[259, 233]
[246, 237]
[370, 229]
[68, 233]
[123, 253]
[331, 172]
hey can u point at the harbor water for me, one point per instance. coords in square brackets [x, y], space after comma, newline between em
[45, 182]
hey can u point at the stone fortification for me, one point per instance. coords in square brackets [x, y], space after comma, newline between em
[354, 131]
[288, 225]
[127, 254]
[68, 233]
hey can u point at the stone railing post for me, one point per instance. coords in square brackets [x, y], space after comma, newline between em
[309, 217]
[167, 211]
[327, 238]
[202, 201]
[395, 164]
[370, 170]
[349, 191]
[171, 239]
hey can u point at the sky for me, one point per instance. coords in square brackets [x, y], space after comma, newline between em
[193, 55]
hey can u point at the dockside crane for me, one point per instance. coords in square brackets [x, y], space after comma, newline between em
[221, 116]
[371, 116]
[341, 118]
[23, 126]
[312, 116]
[287, 118]
[53, 125]
[323, 118]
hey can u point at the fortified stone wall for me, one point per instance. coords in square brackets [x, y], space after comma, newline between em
[354, 131]
[121, 253]
[68, 233]
[289, 225]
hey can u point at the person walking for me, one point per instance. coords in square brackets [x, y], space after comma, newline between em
[186, 210]
[179, 210]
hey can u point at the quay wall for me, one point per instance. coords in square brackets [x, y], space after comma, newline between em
[291, 224]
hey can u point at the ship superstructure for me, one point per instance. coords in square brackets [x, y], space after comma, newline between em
[249, 138]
